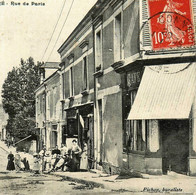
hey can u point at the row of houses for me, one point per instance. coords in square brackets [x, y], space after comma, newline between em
[126, 86]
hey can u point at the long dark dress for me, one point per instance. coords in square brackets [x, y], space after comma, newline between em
[75, 160]
[10, 164]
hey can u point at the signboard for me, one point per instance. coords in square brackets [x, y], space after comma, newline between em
[134, 78]
[171, 23]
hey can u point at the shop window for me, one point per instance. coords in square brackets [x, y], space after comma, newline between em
[53, 139]
[117, 38]
[136, 135]
[72, 129]
[64, 133]
[135, 130]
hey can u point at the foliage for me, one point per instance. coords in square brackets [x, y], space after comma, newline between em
[18, 97]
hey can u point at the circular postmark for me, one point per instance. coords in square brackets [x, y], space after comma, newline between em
[168, 69]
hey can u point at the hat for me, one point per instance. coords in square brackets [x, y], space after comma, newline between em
[35, 154]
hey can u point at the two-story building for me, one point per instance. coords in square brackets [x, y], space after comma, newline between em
[77, 81]
[158, 88]
[48, 110]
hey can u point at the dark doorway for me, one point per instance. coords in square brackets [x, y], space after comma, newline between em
[175, 145]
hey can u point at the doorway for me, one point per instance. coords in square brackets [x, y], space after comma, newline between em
[175, 145]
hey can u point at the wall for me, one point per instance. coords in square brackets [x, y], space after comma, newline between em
[109, 82]
[112, 129]
[40, 111]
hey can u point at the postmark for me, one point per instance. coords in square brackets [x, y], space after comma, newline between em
[171, 24]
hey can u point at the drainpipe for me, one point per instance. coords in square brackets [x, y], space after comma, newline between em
[95, 106]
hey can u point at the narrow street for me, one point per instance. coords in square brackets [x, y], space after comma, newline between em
[27, 183]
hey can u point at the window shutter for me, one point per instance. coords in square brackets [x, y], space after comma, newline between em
[194, 14]
[145, 27]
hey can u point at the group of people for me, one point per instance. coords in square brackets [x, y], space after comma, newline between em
[65, 159]
[17, 162]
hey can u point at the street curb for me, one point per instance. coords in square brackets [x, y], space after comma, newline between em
[82, 181]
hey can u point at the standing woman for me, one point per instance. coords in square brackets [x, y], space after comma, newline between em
[10, 164]
[36, 165]
[84, 158]
[17, 161]
[75, 155]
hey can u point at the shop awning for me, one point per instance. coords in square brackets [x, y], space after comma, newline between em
[165, 92]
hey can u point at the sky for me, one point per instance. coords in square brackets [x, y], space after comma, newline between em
[25, 30]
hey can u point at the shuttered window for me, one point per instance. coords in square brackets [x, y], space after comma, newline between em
[144, 27]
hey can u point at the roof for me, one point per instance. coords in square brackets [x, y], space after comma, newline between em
[51, 65]
[165, 92]
[99, 5]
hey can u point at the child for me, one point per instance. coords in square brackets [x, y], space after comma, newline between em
[47, 160]
[36, 166]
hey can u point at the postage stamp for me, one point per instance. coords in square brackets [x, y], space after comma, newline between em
[171, 23]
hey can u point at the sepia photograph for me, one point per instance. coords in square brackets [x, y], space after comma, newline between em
[97, 97]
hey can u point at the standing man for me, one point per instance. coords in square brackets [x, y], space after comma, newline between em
[56, 153]
[42, 154]
[17, 162]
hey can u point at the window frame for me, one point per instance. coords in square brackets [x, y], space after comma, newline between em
[71, 82]
[99, 60]
[85, 73]
[120, 40]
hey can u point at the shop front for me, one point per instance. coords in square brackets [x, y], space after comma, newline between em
[80, 127]
[158, 107]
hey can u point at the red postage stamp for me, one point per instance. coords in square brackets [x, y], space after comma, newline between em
[171, 23]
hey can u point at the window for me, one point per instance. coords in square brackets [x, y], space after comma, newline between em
[37, 105]
[72, 129]
[48, 105]
[71, 82]
[84, 47]
[135, 130]
[44, 104]
[71, 79]
[54, 101]
[63, 85]
[98, 46]
[117, 38]
[85, 74]
[41, 103]
[51, 104]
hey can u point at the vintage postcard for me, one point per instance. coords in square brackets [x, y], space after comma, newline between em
[97, 97]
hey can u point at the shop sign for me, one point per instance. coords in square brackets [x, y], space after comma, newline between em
[71, 114]
[134, 78]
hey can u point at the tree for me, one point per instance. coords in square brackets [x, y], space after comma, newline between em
[18, 97]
